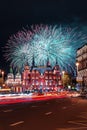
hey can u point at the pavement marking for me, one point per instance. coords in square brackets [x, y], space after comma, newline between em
[84, 113]
[9, 110]
[83, 117]
[34, 106]
[74, 128]
[16, 123]
[73, 104]
[48, 113]
[77, 123]
[81, 120]
[64, 107]
[47, 103]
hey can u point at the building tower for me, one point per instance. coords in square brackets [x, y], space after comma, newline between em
[25, 77]
[18, 82]
[57, 75]
[10, 78]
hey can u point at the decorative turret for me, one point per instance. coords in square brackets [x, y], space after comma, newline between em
[56, 67]
[10, 77]
[48, 63]
[11, 70]
[18, 70]
[26, 67]
[33, 62]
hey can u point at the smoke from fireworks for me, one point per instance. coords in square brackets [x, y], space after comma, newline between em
[45, 42]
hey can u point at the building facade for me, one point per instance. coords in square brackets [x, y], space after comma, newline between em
[14, 82]
[82, 65]
[41, 78]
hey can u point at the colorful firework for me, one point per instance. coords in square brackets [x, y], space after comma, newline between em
[43, 42]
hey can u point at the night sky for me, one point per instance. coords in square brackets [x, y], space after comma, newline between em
[16, 14]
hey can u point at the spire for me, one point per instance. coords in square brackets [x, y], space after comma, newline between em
[33, 63]
[26, 67]
[18, 69]
[11, 70]
[27, 63]
[56, 65]
[48, 63]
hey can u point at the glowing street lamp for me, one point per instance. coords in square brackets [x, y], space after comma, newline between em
[2, 73]
[2, 76]
[77, 75]
[77, 64]
[63, 72]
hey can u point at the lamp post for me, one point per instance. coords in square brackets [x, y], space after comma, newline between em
[77, 64]
[63, 77]
[77, 76]
[3, 74]
[1, 77]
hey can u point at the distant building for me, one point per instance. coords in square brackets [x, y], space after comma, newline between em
[82, 65]
[14, 81]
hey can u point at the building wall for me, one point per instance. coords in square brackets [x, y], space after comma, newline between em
[82, 67]
[35, 79]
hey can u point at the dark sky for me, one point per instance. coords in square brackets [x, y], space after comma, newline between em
[16, 14]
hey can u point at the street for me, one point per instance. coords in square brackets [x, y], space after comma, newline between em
[54, 114]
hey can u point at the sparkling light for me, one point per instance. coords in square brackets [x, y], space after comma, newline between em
[45, 42]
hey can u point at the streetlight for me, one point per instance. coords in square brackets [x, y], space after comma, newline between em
[3, 75]
[63, 77]
[77, 64]
[63, 72]
[77, 77]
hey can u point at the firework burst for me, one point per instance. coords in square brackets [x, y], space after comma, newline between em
[43, 42]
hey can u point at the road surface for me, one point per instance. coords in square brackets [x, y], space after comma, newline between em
[54, 114]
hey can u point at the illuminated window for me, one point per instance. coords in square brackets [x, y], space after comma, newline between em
[46, 77]
[50, 77]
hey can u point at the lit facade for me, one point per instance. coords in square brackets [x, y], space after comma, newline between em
[43, 77]
[35, 78]
[14, 82]
[82, 65]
